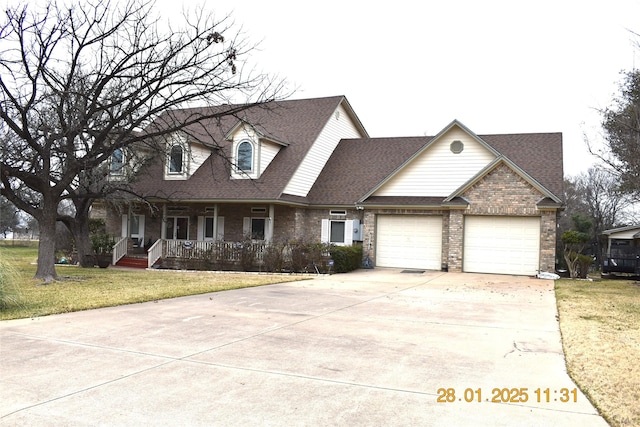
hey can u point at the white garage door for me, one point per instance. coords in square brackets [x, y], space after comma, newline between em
[503, 245]
[409, 241]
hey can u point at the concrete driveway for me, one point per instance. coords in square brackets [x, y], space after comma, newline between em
[372, 347]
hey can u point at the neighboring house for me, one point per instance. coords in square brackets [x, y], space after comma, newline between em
[307, 169]
[623, 250]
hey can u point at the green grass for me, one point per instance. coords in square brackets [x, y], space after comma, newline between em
[600, 325]
[89, 288]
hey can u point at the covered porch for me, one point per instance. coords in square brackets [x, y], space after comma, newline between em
[199, 235]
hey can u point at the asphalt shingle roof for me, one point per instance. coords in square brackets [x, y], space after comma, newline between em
[355, 167]
[358, 165]
[296, 123]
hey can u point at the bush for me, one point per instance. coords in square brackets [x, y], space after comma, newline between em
[346, 258]
[306, 257]
[274, 257]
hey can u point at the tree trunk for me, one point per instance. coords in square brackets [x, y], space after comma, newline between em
[46, 269]
[79, 228]
[81, 236]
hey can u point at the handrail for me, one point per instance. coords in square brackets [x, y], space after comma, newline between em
[154, 253]
[119, 250]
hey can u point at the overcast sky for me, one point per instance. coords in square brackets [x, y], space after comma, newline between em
[411, 67]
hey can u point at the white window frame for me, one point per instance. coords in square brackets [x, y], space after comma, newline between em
[175, 218]
[202, 228]
[251, 168]
[119, 172]
[247, 227]
[325, 232]
[170, 159]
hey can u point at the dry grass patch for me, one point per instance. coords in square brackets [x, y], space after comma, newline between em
[600, 325]
[84, 289]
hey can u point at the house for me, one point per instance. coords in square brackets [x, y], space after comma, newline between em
[623, 250]
[307, 169]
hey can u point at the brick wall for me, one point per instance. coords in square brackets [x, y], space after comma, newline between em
[503, 192]
[456, 232]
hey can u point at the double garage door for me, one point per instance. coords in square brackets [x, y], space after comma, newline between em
[502, 245]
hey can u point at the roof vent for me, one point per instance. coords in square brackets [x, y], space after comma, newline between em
[456, 146]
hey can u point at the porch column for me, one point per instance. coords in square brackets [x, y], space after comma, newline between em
[269, 231]
[163, 225]
[216, 234]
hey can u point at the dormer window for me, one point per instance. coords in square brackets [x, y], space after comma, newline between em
[244, 157]
[116, 166]
[176, 159]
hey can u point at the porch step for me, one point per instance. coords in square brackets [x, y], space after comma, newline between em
[132, 262]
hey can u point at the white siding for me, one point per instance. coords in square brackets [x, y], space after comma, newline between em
[336, 129]
[267, 152]
[199, 154]
[628, 234]
[438, 171]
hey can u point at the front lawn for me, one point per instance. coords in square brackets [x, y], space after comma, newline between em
[600, 325]
[88, 288]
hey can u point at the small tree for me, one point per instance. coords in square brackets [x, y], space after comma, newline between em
[574, 241]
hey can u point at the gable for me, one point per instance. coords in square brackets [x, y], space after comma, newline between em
[342, 124]
[502, 191]
[437, 170]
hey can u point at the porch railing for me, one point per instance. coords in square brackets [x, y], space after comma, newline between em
[621, 263]
[119, 250]
[154, 253]
[211, 250]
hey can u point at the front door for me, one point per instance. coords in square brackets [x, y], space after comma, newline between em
[177, 228]
[133, 226]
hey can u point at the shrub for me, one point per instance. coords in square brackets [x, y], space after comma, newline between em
[248, 255]
[346, 258]
[274, 257]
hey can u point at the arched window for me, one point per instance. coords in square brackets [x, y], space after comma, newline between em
[244, 156]
[176, 159]
[117, 162]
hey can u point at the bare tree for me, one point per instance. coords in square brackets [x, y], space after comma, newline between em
[78, 82]
[621, 126]
[596, 195]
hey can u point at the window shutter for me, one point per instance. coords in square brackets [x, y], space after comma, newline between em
[348, 233]
[200, 228]
[246, 227]
[220, 228]
[324, 233]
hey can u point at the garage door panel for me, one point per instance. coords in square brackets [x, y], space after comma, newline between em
[503, 245]
[409, 241]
